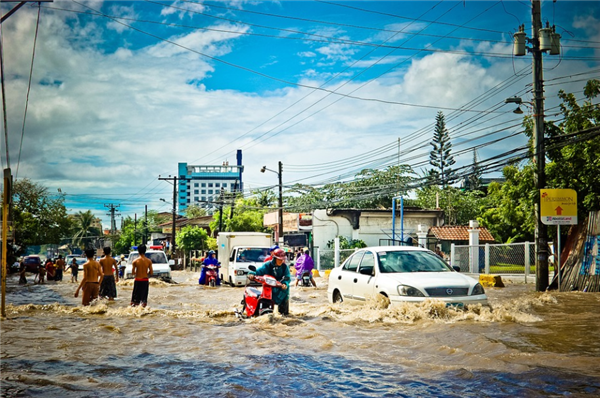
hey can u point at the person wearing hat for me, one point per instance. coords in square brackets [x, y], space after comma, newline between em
[280, 271]
[122, 266]
[271, 250]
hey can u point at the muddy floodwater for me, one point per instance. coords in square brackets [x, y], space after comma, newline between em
[188, 343]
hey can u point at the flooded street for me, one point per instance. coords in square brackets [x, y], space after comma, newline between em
[188, 342]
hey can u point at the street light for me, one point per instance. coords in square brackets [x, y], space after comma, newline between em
[280, 216]
[519, 102]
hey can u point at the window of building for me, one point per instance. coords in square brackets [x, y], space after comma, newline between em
[196, 192]
[188, 201]
[210, 184]
[204, 198]
[195, 185]
[217, 185]
[203, 191]
[210, 191]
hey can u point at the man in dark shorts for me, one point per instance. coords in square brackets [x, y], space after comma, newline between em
[92, 275]
[60, 267]
[74, 270]
[108, 286]
[141, 269]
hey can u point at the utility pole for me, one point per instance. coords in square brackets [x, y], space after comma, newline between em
[541, 239]
[135, 230]
[280, 202]
[221, 199]
[145, 225]
[233, 196]
[113, 225]
[175, 179]
[542, 40]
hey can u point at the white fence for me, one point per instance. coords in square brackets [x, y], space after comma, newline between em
[513, 258]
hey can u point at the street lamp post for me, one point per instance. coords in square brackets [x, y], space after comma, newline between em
[280, 213]
[173, 228]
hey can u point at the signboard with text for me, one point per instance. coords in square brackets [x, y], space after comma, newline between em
[558, 206]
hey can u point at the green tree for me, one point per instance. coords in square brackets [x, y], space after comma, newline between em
[84, 231]
[192, 237]
[39, 218]
[459, 207]
[440, 156]
[510, 214]
[474, 178]
[194, 211]
[573, 153]
[247, 216]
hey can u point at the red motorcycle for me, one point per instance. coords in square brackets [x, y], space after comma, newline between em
[256, 302]
[212, 275]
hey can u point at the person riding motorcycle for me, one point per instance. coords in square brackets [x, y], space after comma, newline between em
[305, 263]
[271, 250]
[209, 260]
[280, 271]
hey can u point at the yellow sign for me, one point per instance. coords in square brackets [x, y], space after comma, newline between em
[558, 206]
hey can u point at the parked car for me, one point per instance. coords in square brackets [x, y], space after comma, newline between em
[161, 267]
[32, 263]
[402, 274]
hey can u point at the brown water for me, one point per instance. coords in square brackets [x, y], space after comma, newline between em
[188, 342]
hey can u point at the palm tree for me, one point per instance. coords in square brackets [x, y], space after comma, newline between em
[84, 229]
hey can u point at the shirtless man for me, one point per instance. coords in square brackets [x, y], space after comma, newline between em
[92, 275]
[141, 268]
[60, 268]
[108, 286]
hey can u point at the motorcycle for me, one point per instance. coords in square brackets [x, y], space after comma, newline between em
[305, 281]
[256, 302]
[212, 274]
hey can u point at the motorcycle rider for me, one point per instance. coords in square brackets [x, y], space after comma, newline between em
[209, 260]
[305, 263]
[280, 271]
[271, 250]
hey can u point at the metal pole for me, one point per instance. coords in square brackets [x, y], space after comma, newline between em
[280, 202]
[402, 219]
[173, 244]
[393, 221]
[558, 252]
[6, 198]
[541, 241]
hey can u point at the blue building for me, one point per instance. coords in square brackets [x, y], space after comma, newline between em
[202, 185]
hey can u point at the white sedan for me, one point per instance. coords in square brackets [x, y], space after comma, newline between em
[401, 273]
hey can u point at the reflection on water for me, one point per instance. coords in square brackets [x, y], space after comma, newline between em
[188, 342]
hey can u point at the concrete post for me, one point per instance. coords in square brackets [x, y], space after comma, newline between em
[336, 255]
[319, 259]
[527, 261]
[422, 235]
[487, 258]
[473, 246]
[453, 255]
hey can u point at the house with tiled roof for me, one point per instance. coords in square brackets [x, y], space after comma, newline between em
[457, 234]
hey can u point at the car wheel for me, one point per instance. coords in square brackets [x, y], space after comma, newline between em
[382, 300]
[337, 297]
[230, 281]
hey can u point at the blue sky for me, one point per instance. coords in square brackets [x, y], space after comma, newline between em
[123, 91]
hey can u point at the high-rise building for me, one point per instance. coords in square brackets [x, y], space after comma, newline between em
[202, 184]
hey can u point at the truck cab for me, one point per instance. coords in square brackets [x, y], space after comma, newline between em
[238, 250]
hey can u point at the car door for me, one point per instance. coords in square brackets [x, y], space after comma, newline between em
[364, 281]
[347, 276]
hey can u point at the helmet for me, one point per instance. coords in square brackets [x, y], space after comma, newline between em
[211, 252]
[274, 247]
[279, 253]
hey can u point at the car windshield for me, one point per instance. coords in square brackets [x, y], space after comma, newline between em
[410, 261]
[156, 257]
[32, 260]
[252, 254]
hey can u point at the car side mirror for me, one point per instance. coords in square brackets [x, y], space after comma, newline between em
[456, 268]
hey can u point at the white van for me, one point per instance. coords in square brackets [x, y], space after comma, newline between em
[161, 267]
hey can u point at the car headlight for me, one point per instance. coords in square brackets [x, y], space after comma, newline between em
[478, 289]
[404, 290]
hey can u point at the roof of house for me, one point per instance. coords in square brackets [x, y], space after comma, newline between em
[459, 232]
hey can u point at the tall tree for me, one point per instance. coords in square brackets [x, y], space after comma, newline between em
[474, 178]
[39, 218]
[440, 156]
[84, 231]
